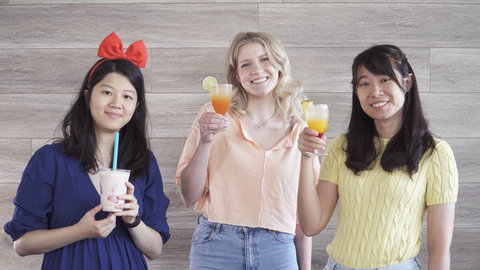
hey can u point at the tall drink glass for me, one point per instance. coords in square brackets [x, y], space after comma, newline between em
[317, 119]
[221, 97]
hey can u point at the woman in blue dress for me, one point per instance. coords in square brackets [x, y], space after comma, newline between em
[57, 206]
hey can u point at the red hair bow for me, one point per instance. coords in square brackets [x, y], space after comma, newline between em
[111, 48]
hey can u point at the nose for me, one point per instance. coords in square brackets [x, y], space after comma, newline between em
[256, 68]
[116, 101]
[376, 91]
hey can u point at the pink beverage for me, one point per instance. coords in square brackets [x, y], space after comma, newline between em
[112, 184]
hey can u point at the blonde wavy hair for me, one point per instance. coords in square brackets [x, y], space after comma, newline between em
[288, 92]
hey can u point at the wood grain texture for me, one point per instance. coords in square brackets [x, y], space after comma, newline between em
[47, 71]
[46, 50]
[452, 67]
[181, 70]
[353, 25]
[159, 25]
[330, 69]
[14, 155]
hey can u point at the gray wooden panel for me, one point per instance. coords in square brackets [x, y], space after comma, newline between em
[182, 70]
[172, 115]
[455, 70]
[376, 1]
[330, 69]
[3, 2]
[30, 2]
[159, 25]
[31, 116]
[452, 115]
[14, 155]
[467, 158]
[167, 152]
[49, 71]
[354, 25]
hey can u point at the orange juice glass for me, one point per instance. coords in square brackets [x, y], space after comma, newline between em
[317, 119]
[221, 96]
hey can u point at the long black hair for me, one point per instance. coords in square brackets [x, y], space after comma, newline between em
[79, 140]
[405, 148]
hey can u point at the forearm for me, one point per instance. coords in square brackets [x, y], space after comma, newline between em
[309, 206]
[194, 176]
[439, 259]
[147, 240]
[43, 241]
[303, 245]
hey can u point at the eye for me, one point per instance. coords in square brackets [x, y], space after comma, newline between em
[108, 93]
[362, 84]
[128, 97]
[265, 59]
[385, 80]
[244, 65]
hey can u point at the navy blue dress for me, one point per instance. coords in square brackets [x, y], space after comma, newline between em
[55, 193]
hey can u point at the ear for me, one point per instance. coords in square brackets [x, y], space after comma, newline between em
[408, 81]
[85, 93]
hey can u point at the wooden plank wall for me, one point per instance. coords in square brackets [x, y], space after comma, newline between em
[47, 46]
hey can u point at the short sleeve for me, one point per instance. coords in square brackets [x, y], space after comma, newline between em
[442, 176]
[329, 169]
[191, 145]
[155, 202]
[33, 201]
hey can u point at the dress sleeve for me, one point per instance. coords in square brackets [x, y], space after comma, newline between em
[33, 201]
[442, 176]
[155, 202]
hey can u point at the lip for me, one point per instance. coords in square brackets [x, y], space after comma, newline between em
[113, 114]
[259, 80]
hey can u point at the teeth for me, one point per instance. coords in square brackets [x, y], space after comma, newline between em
[379, 104]
[260, 80]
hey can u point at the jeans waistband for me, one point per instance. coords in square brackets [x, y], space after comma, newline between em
[399, 266]
[202, 219]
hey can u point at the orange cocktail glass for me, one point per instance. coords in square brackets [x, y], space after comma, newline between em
[317, 119]
[221, 96]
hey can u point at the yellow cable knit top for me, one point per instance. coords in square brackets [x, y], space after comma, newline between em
[381, 214]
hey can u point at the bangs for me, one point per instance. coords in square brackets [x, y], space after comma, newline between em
[376, 63]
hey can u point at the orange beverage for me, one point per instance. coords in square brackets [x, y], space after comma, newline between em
[318, 124]
[317, 118]
[221, 96]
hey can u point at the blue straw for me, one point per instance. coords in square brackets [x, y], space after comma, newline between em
[115, 152]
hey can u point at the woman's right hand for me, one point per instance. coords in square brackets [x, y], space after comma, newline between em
[210, 123]
[309, 143]
[91, 228]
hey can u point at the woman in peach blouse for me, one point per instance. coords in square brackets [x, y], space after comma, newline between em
[245, 181]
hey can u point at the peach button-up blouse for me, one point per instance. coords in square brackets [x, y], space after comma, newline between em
[247, 185]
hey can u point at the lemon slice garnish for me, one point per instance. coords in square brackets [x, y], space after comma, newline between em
[306, 103]
[209, 80]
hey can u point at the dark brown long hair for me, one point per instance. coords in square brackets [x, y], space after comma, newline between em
[405, 148]
[79, 140]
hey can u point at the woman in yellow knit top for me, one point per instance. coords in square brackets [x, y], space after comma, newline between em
[386, 171]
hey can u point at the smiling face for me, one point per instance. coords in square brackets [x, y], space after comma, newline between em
[381, 97]
[255, 71]
[112, 103]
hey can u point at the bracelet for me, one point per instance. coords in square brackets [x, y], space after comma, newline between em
[138, 218]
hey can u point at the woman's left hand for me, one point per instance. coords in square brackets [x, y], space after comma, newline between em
[130, 207]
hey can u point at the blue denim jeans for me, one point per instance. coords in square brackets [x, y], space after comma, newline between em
[412, 264]
[222, 246]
